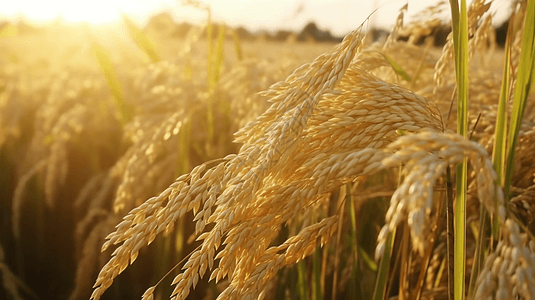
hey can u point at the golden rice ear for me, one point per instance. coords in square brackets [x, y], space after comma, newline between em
[425, 156]
[524, 205]
[286, 120]
[69, 125]
[484, 40]
[525, 170]
[324, 74]
[309, 142]
[508, 270]
[397, 27]
[275, 258]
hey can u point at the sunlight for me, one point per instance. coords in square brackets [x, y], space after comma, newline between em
[94, 12]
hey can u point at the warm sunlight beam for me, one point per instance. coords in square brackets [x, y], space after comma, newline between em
[339, 16]
[94, 12]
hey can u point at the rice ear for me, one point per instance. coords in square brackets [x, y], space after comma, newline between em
[507, 270]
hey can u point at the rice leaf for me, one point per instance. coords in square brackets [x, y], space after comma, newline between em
[316, 286]
[107, 69]
[209, 59]
[381, 281]
[353, 230]
[142, 40]
[302, 280]
[521, 90]
[480, 253]
[500, 143]
[498, 151]
[367, 259]
[218, 57]
[316, 293]
[184, 135]
[397, 68]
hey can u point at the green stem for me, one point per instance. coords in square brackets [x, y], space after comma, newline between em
[460, 40]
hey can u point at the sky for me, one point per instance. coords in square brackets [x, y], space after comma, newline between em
[338, 16]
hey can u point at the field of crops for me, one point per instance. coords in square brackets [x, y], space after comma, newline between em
[245, 169]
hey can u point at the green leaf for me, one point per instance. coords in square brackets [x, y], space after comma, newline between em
[142, 40]
[521, 91]
[397, 68]
[381, 280]
[107, 69]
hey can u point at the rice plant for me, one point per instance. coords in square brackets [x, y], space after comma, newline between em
[216, 173]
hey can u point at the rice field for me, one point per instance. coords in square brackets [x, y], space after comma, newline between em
[136, 165]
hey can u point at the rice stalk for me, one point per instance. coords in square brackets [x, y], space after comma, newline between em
[337, 246]
[12, 284]
[460, 40]
[384, 263]
[522, 87]
[317, 292]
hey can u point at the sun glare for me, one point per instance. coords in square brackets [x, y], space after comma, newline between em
[94, 12]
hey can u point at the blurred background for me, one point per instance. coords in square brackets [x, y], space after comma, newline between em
[336, 16]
